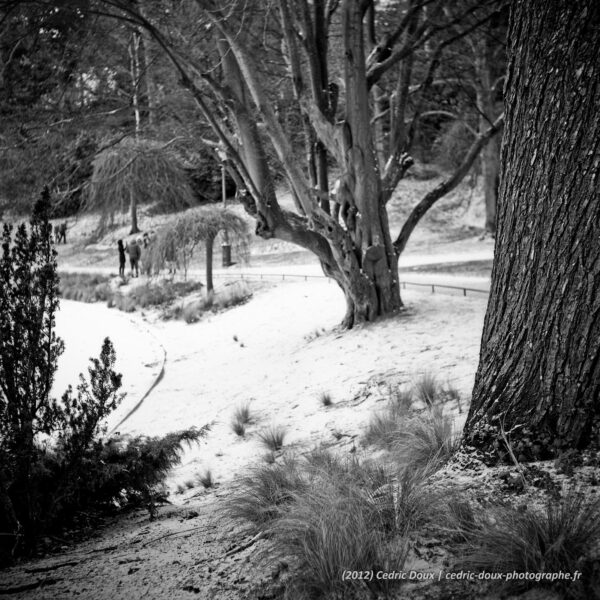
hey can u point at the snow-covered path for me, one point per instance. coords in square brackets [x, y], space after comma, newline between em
[83, 328]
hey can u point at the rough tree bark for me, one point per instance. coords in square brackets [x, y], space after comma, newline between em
[373, 285]
[490, 155]
[538, 381]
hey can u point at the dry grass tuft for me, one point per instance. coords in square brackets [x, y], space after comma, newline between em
[242, 414]
[263, 492]
[228, 297]
[273, 437]
[325, 399]
[326, 514]
[426, 439]
[85, 287]
[564, 536]
[416, 439]
[238, 428]
[384, 426]
[206, 479]
[427, 389]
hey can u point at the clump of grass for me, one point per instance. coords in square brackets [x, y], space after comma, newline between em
[345, 519]
[228, 297]
[461, 517]
[328, 532]
[329, 514]
[325, 399]
[159, 294]
[427, 389]
[85, 287]
[238, 428]
[414, 503]
[263, 492]
[206, 479]
[233, 295]
[124, 302]
[561, 537]
[272, 438]
[190, 313]
[400, 399]
[384, 427]
[451, 394]
[426, 439]
[420, 439]
[241, 418]
[151, 294]
[270, 458]
[242, 414]
[207, 302]
[189, 484]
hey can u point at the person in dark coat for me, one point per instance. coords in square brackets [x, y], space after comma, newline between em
[62, 232]
[121, 258]
[135, 252]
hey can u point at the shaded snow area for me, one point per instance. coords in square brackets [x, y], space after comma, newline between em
[279, 352]
[83, 328]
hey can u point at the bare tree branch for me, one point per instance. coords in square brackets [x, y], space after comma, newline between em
[446, 186]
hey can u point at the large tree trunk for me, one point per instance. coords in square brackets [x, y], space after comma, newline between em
[490, 155]
[360, 255]
[538, 381]
[371, 265]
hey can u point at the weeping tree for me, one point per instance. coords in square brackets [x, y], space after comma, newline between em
[177, 241]
[135, 172]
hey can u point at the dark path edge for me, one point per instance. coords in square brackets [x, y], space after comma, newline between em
[156, 381]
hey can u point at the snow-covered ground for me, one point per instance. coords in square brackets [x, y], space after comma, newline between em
[278, 352]
[83, 328]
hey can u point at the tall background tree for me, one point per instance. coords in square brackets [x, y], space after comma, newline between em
[538, 381]
[75, 87]
[132, 173]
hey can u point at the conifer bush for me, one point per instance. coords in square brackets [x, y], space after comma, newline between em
[56, 466]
